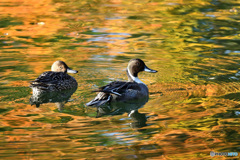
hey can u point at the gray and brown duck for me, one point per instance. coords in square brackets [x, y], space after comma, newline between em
[55, 80]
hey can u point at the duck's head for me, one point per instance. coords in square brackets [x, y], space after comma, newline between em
[135, 66]
[60, 66]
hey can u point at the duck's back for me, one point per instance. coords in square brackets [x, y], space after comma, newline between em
[119, 91]
[54, 81]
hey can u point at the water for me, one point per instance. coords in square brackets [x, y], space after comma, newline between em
[194, 98]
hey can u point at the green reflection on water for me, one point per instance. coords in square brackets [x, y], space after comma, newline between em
[9, 21]
[194, 98]
[60, 119]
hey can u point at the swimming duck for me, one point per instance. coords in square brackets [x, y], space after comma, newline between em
[119, 91]
[55, 80]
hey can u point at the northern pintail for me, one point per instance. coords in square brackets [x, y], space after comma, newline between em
[119, 91]
[55, 80]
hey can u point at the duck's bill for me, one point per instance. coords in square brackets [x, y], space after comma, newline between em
[71, 71]
[149, 70]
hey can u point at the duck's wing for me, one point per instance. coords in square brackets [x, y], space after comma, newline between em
[118, 87]
[48, 78]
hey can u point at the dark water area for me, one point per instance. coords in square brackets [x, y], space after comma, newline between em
[193, 105]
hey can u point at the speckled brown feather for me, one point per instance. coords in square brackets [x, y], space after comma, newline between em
[54, 81]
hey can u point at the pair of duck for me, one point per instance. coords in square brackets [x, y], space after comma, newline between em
[117, 91]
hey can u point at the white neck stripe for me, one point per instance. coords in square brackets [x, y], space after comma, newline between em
[135, 79]
[132, 111]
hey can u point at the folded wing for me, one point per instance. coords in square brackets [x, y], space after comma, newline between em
[118, 88]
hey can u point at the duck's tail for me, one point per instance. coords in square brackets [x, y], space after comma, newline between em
[101, 99]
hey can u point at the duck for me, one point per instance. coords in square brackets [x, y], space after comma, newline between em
[55, 80]
[124, 91]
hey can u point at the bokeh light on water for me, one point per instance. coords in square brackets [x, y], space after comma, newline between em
[194, 98]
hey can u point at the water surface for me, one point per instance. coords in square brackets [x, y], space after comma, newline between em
[194, 98]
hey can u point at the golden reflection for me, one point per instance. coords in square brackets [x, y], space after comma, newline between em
[194, 100]
[37, 17]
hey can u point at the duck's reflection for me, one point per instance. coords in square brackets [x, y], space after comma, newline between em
[138, 119]
[60, 98]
